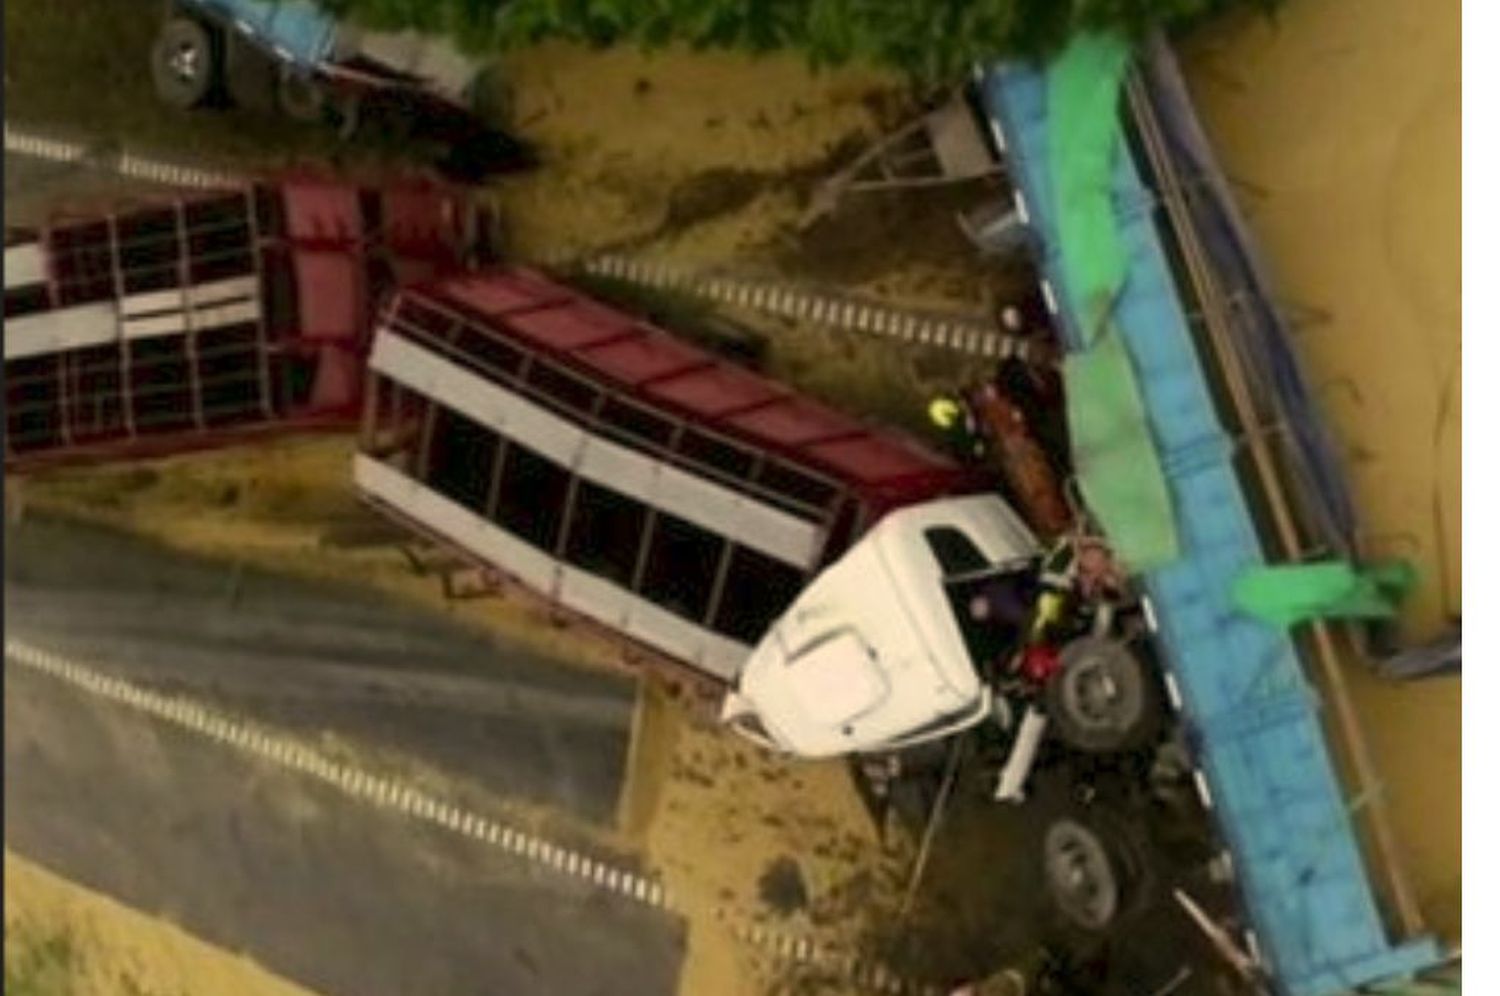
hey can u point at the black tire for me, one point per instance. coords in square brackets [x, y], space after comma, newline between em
[1103, 699]
[251, 75]
[348, 114]
[185, 63]
[1096, 870]
[300, 97]
[1084, 878]
[483, 238]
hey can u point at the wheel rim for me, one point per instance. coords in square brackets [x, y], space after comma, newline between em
[1080, 875]
[1102, 688]
[184, 62]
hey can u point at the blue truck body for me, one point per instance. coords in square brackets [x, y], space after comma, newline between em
[298, 31]
[1251, 710]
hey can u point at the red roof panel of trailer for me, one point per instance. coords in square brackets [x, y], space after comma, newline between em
[648, 356]
[714, 391]
[678, 378]
[570, 326]
[873, 458]
[495, 297]
[331, 295]
[320, 211]
[796, 422]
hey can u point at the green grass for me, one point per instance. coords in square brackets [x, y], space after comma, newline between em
[930, 39]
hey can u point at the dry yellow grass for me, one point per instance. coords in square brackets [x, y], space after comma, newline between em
[1349, 114]
[620, 130]
[64, 940]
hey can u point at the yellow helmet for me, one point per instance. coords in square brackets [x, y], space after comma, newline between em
[944, 412]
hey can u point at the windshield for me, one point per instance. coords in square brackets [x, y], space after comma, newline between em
[993, 609]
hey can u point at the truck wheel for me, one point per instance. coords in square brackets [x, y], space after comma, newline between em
[1083, 878]
[483, 237]
[250, 75]
[1102, 698]
[300, 97]
[184, 63]
[1096, 871]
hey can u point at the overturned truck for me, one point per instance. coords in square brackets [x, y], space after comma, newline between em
[192, 320]
[687, 504]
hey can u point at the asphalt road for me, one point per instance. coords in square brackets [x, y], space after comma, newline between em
[342, 897]
[35, 188]
[317, 658]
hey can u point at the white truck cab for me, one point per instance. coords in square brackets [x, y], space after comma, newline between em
[879, 652]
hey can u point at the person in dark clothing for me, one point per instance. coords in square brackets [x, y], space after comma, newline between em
[998, 613]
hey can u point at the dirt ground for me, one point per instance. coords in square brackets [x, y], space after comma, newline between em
[710, 157]
[1348, 113]
[64, 940]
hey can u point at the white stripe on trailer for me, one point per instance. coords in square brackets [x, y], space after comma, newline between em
[176, 322]
[25, 265]
[60, 330]
[469, 394]
[230, 290]
[584, 593]
[214, 304]
[704, 503]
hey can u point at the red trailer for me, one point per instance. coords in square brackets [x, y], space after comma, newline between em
[668, 495]
[191, 320]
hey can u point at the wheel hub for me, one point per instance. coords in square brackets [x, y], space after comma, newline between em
[1100, 691]
[1080, 875]
[184, 62]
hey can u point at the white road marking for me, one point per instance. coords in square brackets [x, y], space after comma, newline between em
[385, 793]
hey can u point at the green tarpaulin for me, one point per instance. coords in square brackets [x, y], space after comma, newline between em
[1114, 457]
[1083, 97]
[1295, 593]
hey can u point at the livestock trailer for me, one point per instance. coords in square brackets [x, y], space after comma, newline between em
[181, 322]
[666, 494]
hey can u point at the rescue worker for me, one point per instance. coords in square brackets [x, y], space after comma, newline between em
[951, 416]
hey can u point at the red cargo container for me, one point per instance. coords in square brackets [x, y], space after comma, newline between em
[191, 320]
[668, 495]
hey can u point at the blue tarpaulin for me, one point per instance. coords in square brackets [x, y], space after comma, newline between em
[1254, 714]
[297, 30]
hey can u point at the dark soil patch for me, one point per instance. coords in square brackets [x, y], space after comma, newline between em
[983, 904]
[711, 195]
[782, 887]
[873, 233]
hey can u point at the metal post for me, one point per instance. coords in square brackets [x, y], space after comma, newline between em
[570, 503]
[190, 333]
[127, 405]
[262, 345]
[934, 820]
